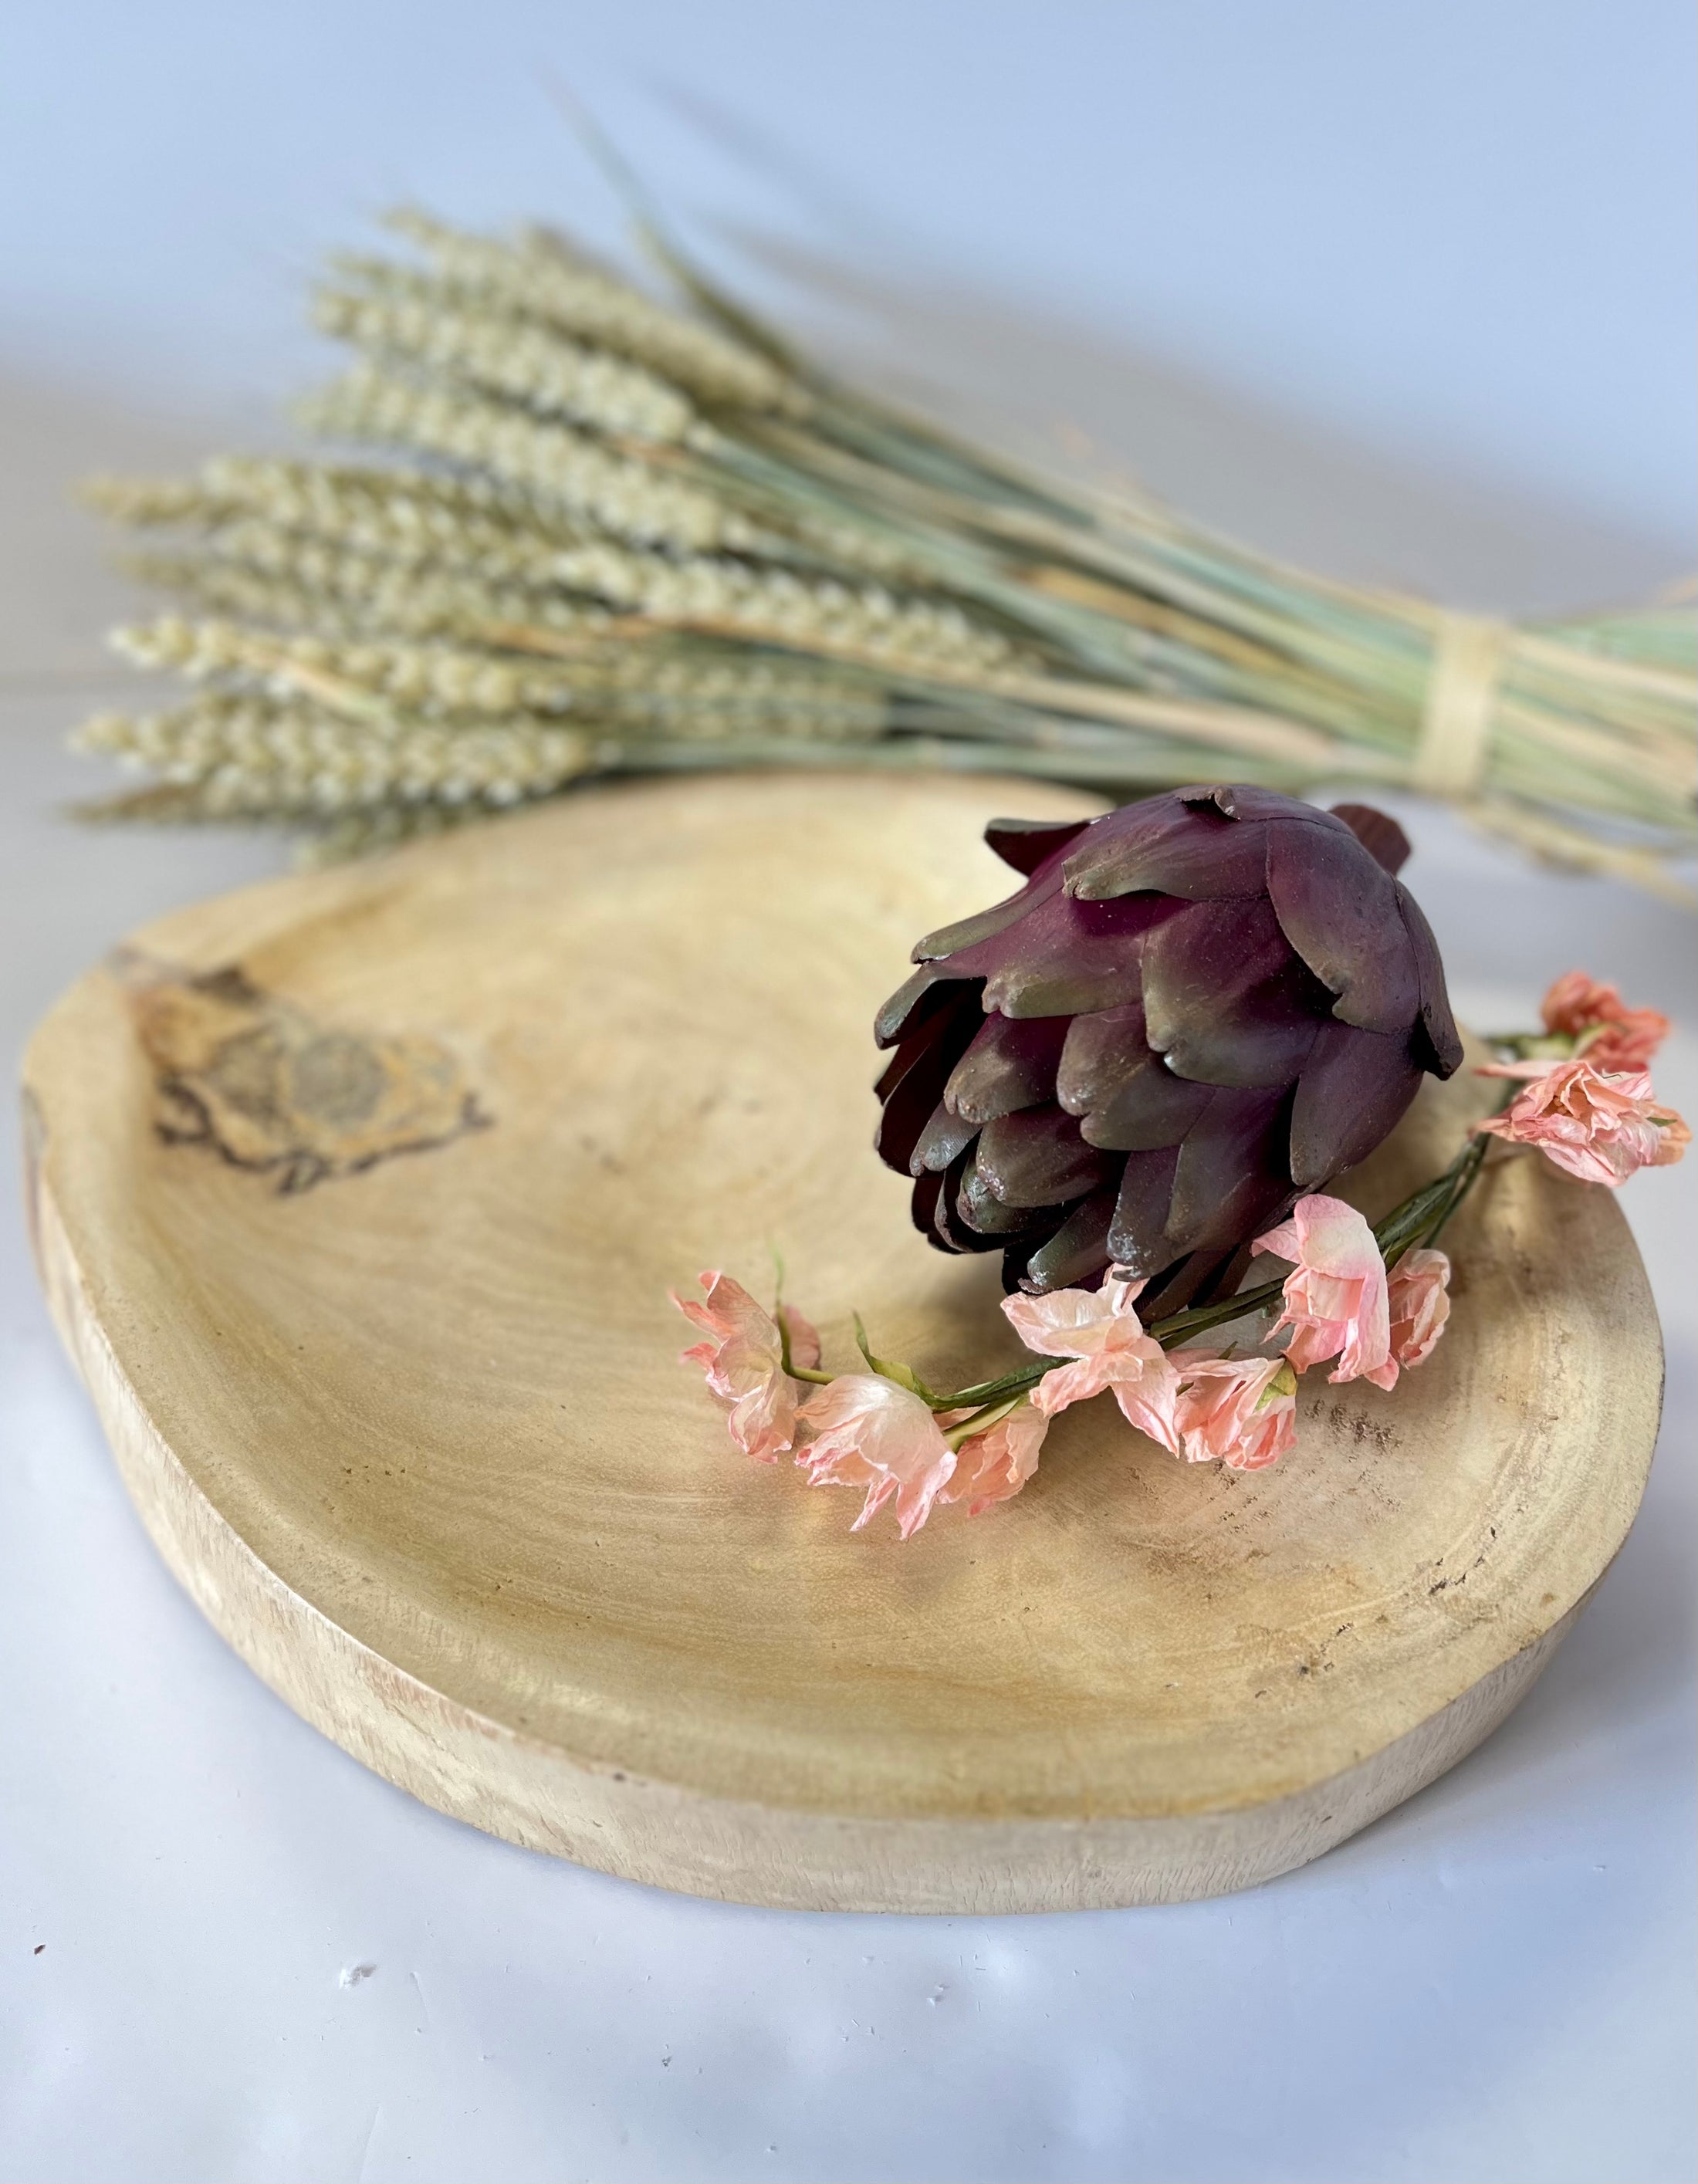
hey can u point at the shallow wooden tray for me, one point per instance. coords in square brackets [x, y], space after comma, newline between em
[358, 1197]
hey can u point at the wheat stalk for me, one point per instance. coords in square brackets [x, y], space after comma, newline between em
[690, 691]
[507, 355]
[610, 536]
[541, 275]
[254, 754]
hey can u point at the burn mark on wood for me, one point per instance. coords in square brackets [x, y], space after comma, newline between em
[269, 1087]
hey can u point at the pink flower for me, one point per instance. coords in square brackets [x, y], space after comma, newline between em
[1099, 1328]
[1626, 1038]
[1335, 1296]
[993, 1466]
[1419, 1300]
[1241, 1411]
[744, 1363]
[1600, 1126]
[869, 1432]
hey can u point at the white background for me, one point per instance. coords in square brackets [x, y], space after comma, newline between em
[1407, 289]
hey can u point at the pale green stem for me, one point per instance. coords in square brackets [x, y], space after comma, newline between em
[1416, 1222]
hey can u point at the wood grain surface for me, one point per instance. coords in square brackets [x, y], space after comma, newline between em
[358, 1197]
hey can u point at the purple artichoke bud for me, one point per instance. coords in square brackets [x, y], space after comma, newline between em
[1198, 1008]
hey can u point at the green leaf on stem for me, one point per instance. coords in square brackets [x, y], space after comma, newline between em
[891, 1369]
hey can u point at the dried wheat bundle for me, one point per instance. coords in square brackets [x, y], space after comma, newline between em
[590, 533]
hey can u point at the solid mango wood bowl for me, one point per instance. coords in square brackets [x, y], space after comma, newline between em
[358, 1197]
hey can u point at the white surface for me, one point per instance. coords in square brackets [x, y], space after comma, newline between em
[1495, 1983]
[257, 1961]
[1461, 231]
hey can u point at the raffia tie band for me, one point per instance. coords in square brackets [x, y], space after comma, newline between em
[1462, 689]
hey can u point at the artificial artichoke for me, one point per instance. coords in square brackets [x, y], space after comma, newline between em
[1199, 1007]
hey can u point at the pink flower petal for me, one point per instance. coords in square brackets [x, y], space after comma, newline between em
[1070, 1384]
[1241, 1412]
[1284, 1242]
[1335, 1299]
[1601, 1125]
[993, 1466]
[1101, 1331]
[867, 1431]
[1076, 1323]
[804, 1338]
[1149, 1402]
[1330, 1238]
[1419, 1301]
[1620, 1038]
[744, 1362]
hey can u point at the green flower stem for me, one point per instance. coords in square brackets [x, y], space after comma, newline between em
[1474, 1161]
[981, 1420]
[1417, 1223]
[796, 1371]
